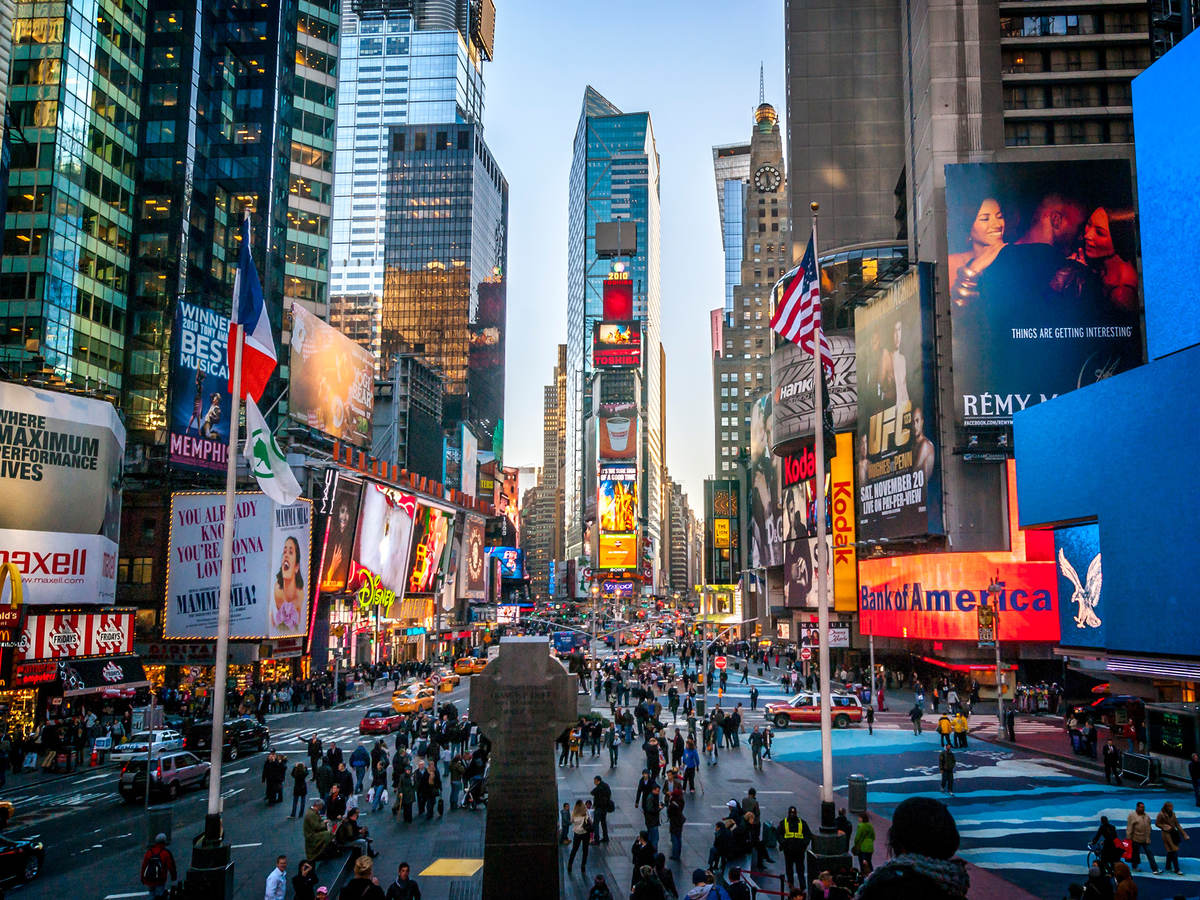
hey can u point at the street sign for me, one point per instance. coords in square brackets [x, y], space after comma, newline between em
[719, 662]
[436, 680]
[805, 654]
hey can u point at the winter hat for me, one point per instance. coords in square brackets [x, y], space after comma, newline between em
[698, 876]
[160, 838]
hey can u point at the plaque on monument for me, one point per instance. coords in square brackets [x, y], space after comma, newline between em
[521, 701]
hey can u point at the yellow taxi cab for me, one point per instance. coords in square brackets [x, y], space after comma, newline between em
[469, 665]
[445, 677]
[413, 699]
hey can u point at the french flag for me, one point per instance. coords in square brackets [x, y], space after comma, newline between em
[250, 311]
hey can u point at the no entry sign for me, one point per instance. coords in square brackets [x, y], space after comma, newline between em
[805, 654]
[719, 662]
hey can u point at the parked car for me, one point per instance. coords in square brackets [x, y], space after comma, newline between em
[379, 721]
[805, 709]
[141, 742]
[20, 859]
[170, 775]
[242, 735]
[413, 699]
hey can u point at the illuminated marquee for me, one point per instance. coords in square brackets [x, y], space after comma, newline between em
[371, 594]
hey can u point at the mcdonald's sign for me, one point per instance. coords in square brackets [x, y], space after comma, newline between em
[12, 575]
[11, 621]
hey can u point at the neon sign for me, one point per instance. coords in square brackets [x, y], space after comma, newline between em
[371, 594]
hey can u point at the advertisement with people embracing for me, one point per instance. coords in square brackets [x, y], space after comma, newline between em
[1043, 281]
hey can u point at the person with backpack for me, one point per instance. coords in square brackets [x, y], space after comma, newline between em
[158, 867]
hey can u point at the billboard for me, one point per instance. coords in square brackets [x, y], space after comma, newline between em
[618, 425]
[800, 572]
[792, 387]
[384, 536]
[73, 634]
[618, 551]
[722, 530]
[617, 345]
[721, 604]
[899, 465]
[485, 363]
[60, 484]
[621, 590]
[474, 577]
[1043, 281]
[511, 561]
[935, 596]
[199, 388]
[841, 515]
[1081, 611]
[766, 511]
[430, 535]
[618, 500]
[331, 384]
[470, 461]
[339, 536]
[270, 592]
[617, 296]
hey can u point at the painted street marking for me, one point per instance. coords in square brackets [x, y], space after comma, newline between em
[233, 793]
[235, 772]
[125, 896]
[240, 846]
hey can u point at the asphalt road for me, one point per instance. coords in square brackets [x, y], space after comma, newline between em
[95, 840]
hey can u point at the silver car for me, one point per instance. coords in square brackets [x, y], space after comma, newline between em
[173, 772]
[141, 742]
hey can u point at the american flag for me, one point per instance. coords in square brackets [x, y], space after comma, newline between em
[798, 315]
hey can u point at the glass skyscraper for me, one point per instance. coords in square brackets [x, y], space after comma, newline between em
[445, 255]
[403, 62]
[614, 176]
[731, 166]
[75, 102]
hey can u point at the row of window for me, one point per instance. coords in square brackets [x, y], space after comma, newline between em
[1049, 26]
[1067, 96]
[1083, 59]
[1082, 131]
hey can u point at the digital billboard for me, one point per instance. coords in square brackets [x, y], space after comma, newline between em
[792, 390]
[474, 578]
[618, 551]
[485, 363]
[766, 513]
[617, 297]
[60, 493]
[511, 561]
[620, 590]
[1043, 281]
[618, 427]
[1081, 611]
[800, 572]
[618, 500]
[270, 590]
[842, 518]
[899, 465]
[935, 596]
[199, 388]
[722, 561]
[384, 536]
[339, 537]
[331, 383]
[617, 345]
[430, 535]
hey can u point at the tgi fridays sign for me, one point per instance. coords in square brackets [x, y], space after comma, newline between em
[64, 635]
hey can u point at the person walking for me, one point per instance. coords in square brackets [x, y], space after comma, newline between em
[863, 845]
[1112, 763]
[613, 742]
[299, 789]
[675, 821]
[364, 885]
[1010, 724]
[753, 698]
[915, 715]
[756, 748]
[360, 760]
[1173, 835]
[158, 867]
[277, 880]
[691, 760]
[923, 841]
[1126, 889]
[602, 805]
[651, 813]
[870, 719]
[581, 836]
[946, 764]
[404, 887]
[1138, 832]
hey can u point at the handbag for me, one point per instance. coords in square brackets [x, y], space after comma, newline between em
[383, 797]
[1176, 836]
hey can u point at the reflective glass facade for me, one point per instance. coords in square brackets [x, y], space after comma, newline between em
[731, 166]
[75, 99]
[445, 253]
[394, 70]
[614, 175]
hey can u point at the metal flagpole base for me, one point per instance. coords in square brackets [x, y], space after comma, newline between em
[829, 850]
[211, 872]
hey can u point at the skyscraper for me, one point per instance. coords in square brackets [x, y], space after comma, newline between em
[731, 166]
[403, 62]
[554, 449]
[445, 255]
[742, 370]
[614, 177]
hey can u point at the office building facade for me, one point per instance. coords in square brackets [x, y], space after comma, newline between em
[614, 178]
[731, 167]
[445, 254]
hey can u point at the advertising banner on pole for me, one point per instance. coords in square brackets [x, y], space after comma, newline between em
[841, 515]
[270, 591]
[332, 380]
[899, 466]
[199, 388]
[766, 514]
[1043, 281]
[60, 494]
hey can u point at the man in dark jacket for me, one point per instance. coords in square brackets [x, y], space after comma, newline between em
[403, 888]
[794, 838]
[651, 811]
[644, 786]
[922, 841]
[299, 788]
[344, 780]
[676, 820]
[274, 772]
[601, 801]
[643, 855]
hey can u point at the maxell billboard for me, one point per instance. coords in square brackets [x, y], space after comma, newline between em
[60, 475]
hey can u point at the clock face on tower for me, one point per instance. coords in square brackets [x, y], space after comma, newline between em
[767, 179]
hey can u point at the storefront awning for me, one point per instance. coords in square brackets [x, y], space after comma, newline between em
[106, 674]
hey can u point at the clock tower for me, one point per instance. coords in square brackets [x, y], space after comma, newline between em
[742, 370]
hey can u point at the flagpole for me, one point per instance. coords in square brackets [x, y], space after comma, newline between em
[212, 822]
[827, 807]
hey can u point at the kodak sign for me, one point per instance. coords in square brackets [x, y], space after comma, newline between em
[841, 514]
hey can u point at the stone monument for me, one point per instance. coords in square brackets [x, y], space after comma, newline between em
[521, 702]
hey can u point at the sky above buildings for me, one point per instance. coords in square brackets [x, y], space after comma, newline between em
[694, 66]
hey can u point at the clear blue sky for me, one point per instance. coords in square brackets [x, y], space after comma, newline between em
[694, 66]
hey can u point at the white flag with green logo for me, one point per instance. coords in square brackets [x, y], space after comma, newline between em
[266, 461]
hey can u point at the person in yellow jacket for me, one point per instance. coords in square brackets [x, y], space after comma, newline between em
[944, 729]
[960, 730]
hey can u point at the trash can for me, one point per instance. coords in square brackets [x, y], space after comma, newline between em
[700, 711]
[857, 789]
[158, 821]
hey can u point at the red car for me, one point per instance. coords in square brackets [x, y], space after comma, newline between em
[379, 721]
[805, 709]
